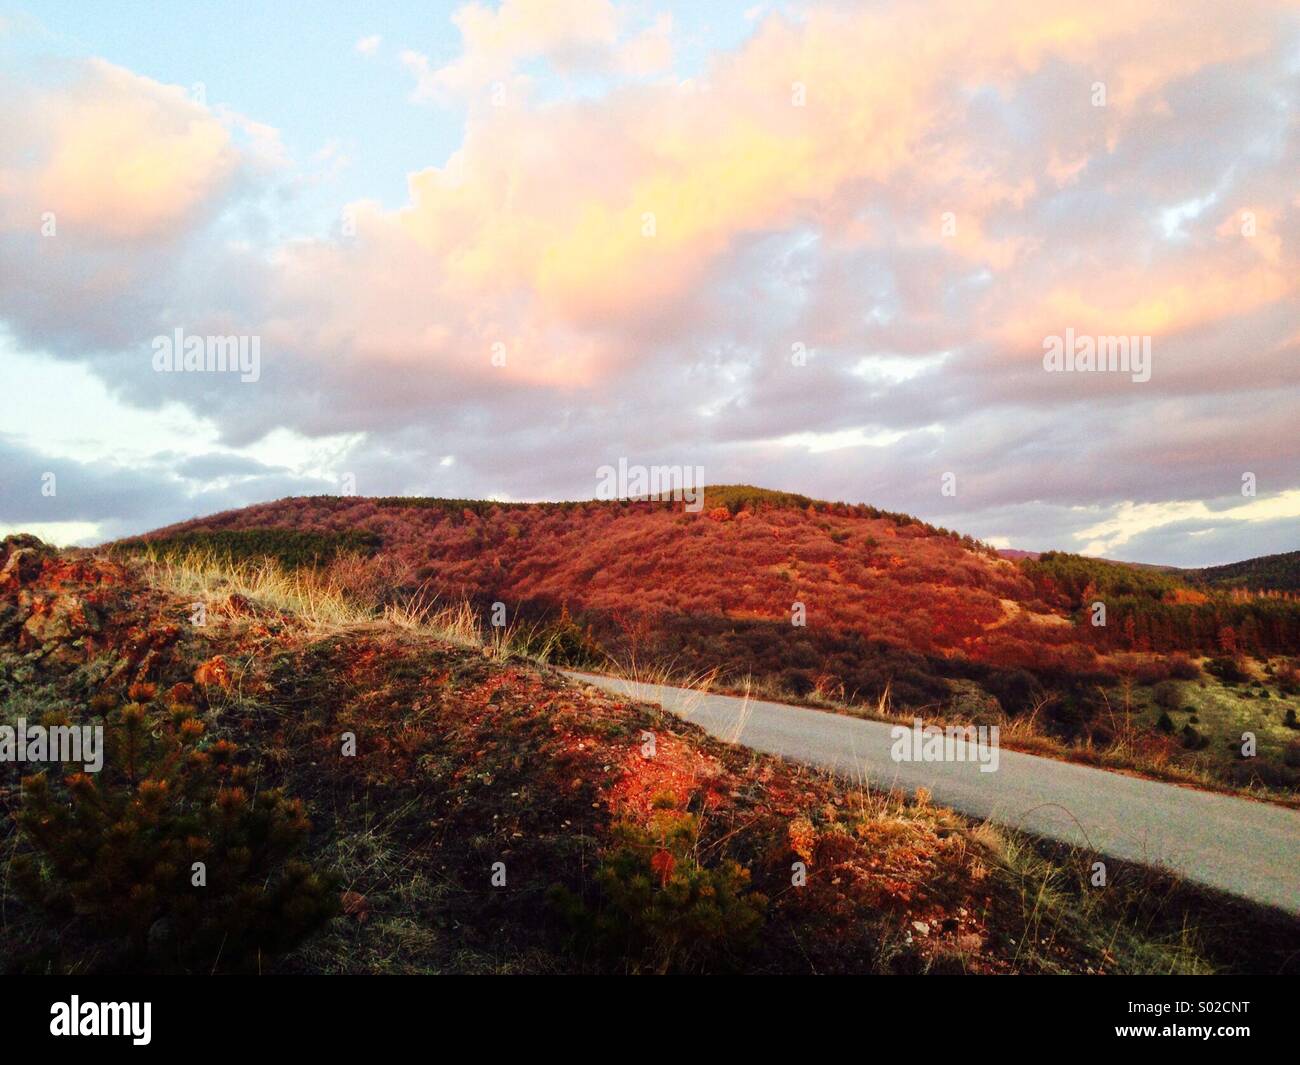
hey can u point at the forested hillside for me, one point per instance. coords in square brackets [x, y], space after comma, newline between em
[1150, 609]
[1274, 573]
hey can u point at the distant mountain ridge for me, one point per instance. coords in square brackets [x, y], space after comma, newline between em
[1273, 573]
[1266, 573]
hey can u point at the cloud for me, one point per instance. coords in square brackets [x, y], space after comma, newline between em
[916, 194]
[113, 193]
[1131, 520]
[572, 37]
[649, 51]
[40, 491]
[111, 155]
[369, 46]
[90, 502]
[218, 465]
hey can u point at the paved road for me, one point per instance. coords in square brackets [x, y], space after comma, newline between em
[1243, 847]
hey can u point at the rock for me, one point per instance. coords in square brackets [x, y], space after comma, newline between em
[63, 656]
[22, 565]
[60, 618]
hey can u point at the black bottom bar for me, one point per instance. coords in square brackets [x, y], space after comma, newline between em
[370, 1014]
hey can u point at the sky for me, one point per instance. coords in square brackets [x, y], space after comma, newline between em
[482, 250]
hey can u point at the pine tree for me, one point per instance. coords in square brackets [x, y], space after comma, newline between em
[170, 855]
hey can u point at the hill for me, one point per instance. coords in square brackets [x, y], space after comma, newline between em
[747, 558]
[1015, 554]
[1270, 573]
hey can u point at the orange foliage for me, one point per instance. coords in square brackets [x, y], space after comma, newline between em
[213, 672]
[928, 592]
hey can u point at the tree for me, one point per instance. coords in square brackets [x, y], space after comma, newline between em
[169, 853]
[1228, 640]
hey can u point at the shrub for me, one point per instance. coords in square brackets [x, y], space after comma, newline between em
[658, 904]
[562, 641]
[1183, 668]
[1165, 724]
[114, 853]
[1193, 740]
[1227, 669]
[1291, 754]
[798, 682]
[1288, 679]
[1016, 690]
[1152, 672]
[1290, 720]
[1166, 695]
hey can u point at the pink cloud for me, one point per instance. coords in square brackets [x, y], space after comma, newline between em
[580, 221]
[114, 156]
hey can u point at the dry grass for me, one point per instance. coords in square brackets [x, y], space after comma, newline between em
[695, 684]
[312, 598]
[324, 600]
[1124, 920]
[457, 623]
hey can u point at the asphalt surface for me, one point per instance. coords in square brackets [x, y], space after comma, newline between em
[1246, 848]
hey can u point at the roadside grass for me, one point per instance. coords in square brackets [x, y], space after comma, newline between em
[656, 674]
[1145, 920]
[1118, 921]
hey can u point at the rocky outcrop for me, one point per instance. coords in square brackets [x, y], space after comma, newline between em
[60, 617]
[60, 610]
[22, 557]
